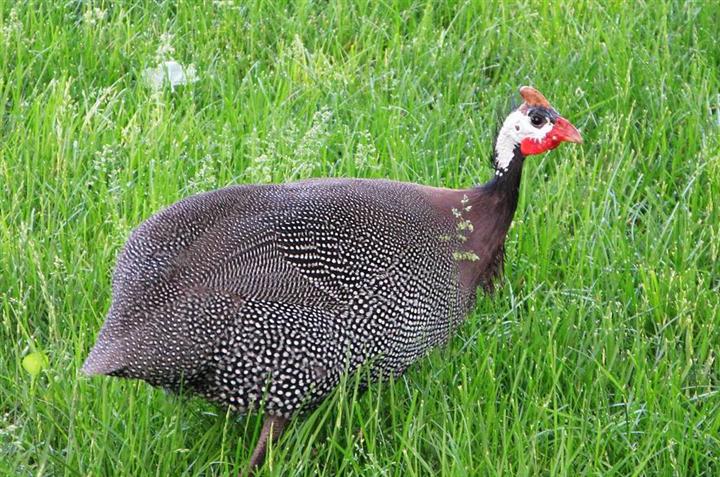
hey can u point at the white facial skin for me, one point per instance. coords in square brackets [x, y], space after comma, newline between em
[517, 126]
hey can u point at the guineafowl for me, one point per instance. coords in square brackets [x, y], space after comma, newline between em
[260, 297]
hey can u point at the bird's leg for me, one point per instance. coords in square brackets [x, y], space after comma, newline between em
[271, 430]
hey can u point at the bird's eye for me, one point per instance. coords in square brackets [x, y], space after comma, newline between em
[537, 120]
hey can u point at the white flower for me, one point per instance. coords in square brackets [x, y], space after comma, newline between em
[165, 49]
[11, 26]
[93, 16]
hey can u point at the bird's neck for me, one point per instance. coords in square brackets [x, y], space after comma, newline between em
[482, 216]
[492, 207]
[500, 194]
[508, 161]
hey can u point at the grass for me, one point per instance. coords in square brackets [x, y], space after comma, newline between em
[598, 356]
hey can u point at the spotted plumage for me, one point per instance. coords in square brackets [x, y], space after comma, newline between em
[267, 294]
[263, 296]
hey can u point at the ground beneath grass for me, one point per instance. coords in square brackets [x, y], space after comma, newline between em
[598, 356]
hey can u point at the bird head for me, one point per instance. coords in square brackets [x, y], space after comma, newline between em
[533, 128]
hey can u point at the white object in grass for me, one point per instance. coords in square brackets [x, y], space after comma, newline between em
[171, 72]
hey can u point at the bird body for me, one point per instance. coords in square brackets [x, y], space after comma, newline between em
[263, 296]
[271, 292]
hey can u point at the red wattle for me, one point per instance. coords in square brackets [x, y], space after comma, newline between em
[529, 146]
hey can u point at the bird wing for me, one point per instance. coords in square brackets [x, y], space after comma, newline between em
[308, 244]
[328, 242]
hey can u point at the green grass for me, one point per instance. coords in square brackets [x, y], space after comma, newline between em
[599, 354]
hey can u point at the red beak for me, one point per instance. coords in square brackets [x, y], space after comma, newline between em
[564, 131]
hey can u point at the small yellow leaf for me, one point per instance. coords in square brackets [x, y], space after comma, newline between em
[35, 362]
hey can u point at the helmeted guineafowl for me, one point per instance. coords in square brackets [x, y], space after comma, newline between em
[262, 296]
